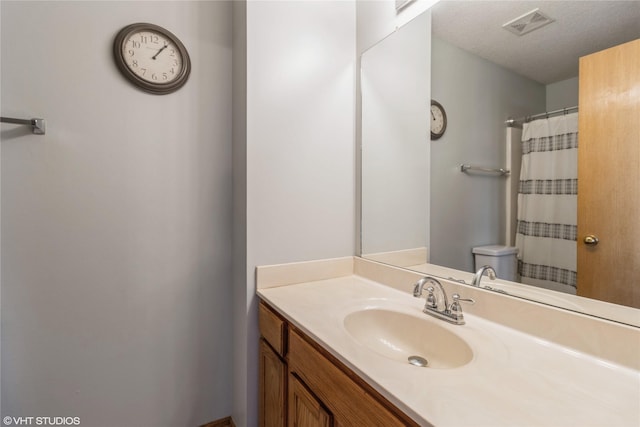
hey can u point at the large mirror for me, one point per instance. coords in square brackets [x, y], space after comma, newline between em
[419, 209]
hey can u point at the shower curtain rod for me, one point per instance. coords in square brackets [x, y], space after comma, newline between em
[526, 119]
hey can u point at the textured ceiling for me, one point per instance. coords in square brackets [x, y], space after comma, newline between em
[549, 54]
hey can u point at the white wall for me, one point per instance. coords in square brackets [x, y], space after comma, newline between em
[300, 96]
[116, 225]
[478, 96]
[300, 180]
[375, 20]
[379, 18]
[396, 86]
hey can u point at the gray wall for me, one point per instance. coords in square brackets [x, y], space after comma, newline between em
[478, 96]
[0, 219]
[243, 392]
[562, 94]
[116, 225]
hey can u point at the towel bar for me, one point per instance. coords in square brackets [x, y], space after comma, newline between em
[38, 126]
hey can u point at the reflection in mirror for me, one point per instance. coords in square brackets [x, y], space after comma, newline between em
[395, 175]
[483, 75]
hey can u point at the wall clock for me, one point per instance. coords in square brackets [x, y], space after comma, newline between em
[151, 58]
[438, 120]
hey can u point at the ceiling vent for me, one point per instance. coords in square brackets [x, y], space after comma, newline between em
[528, 22]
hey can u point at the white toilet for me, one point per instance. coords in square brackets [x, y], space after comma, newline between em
[501, 258]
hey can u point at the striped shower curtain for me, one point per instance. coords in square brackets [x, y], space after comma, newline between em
[547, 203]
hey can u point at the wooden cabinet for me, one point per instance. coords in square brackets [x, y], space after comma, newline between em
[273, 328]
[273, 387]
[272, 369]
[304, 409]
[320, 390]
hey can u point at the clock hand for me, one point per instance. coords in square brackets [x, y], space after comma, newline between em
[432, 116]
[158, 52]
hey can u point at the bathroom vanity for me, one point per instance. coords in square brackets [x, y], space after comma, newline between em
[303, 383]
[336, 336]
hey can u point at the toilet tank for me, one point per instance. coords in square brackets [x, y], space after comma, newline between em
[501, 258]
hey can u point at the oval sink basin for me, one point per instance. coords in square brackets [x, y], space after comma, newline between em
[399, 336]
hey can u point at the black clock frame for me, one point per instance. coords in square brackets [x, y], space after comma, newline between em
[435, 136]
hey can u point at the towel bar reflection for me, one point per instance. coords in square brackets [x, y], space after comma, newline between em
[38, 126]
[470, 168]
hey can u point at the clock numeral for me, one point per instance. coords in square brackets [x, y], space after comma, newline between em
[154, 77]
[134, 63]
[131, 52]
[172, 71]
[173, 52]
[143, 70]
[144, 39]
[135, 44]
[155, 39]
[164, 76]
[175, 62]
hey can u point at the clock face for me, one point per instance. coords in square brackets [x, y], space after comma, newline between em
[438, 120]
[152, 58]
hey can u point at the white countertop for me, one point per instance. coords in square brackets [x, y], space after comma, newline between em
[514, 379]
[602, 309]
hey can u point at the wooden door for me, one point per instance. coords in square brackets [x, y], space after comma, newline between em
[304, 409]
[609, 175]
[273, 388]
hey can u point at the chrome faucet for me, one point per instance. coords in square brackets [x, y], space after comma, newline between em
[478, 277]
[450, 313]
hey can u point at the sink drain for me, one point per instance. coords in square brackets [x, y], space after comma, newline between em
[418, 361]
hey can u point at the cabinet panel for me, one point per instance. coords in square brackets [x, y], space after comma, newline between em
[273, 388]
[304, 408]
[272, 328]
[350, 401]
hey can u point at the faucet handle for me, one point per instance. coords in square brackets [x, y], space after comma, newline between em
[456, 308]
[457, 298]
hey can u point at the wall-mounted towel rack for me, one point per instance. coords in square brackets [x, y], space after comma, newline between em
[470, 168]
[38, 126]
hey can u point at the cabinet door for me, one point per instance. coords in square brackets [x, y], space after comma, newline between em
[350, 403]
[273, 388]
[304, 408]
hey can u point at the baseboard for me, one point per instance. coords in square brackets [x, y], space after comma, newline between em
[223, 422]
